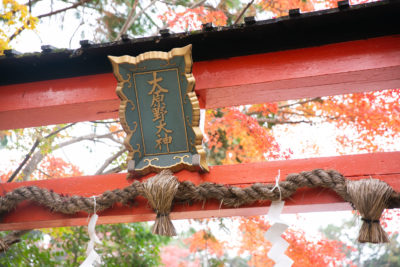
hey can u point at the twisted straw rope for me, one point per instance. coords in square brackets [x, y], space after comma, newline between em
[187, 192]
[10, 239]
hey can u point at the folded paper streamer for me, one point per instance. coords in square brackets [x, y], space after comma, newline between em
[92, 257]
[273, 235]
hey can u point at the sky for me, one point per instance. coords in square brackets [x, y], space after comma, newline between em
[49, 32]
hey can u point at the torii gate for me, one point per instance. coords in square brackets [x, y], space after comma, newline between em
[344, 50]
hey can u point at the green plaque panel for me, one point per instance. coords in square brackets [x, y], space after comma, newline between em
[160, 111]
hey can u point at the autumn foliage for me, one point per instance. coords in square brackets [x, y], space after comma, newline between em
[54, 167]
[366, 122]
[191, 19]
[302, 250]
[205, 240]
[175, 256]
[248, 242]
[50, 167]
[371, 116]
[13, 17]
[234, 137]
[4, 176]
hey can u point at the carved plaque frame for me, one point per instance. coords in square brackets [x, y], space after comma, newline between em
[160, 111]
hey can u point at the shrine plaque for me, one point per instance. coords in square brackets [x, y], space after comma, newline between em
[160, 111]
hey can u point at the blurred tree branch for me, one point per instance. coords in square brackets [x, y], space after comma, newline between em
[33, 148]
[15, 34]
[110, 160]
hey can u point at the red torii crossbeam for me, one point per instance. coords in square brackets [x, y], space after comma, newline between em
[383, 166]
[365, 65]
[341, 68]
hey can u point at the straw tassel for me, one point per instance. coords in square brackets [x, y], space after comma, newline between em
[160, 191]
[370, 197]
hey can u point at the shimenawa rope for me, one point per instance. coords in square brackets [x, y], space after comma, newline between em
[369, 198]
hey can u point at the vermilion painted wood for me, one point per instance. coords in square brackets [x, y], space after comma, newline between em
[364, 65]
[383, 166]
[340, 68]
